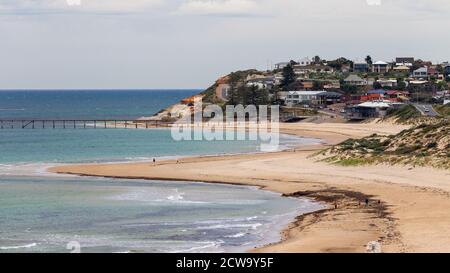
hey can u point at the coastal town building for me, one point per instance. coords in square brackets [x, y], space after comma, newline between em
[303, 97]
[380, 67]
[330, 98]
[392, 96]
[260, 81]
[355, 80]
[402, 69]
[433, 72]
[368, 109]
[306, 69]
[420, 73]
[397, 95]
[281, 65]
[447, 70]
[312, 97]
[404, 61]
[282, 95]
[223, 88]
[305, 61]
[332, 85]
[360, 66]
[387, 82]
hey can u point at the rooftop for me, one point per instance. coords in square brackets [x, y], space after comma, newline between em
[380, 63]
[311, 93]
[353, 78]
[375, 104]
[422, 69]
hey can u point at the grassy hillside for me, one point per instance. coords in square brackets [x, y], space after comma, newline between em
[424, 145]
[443, 109]
[404, 113]
[408, 114]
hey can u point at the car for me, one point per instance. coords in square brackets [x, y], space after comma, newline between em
[427, 110]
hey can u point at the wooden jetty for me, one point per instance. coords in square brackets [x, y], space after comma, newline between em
[82, 124]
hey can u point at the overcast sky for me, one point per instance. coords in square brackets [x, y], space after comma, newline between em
[190, 43]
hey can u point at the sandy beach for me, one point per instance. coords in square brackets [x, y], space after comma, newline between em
[408, 207]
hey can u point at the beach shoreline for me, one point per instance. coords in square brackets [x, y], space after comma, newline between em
[348, 225]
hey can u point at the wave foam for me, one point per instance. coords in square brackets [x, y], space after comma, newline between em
[18, 247]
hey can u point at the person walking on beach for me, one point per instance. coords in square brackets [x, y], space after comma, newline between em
[154, 160]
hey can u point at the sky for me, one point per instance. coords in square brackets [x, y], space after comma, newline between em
[151, 44]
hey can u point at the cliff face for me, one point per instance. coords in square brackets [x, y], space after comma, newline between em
[425, 145]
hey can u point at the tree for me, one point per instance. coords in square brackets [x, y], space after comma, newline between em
[317, 85]
[401, 85]
[442, 86]
[339, 63]
[348, 88]
[377, 85]
[288, 76]
[317, 60]
[233, 98]
[369, 60]
[252, 95]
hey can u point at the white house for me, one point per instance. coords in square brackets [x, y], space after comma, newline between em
[380, 67]
[298, 97]
[421, 73]
[305, 61]
[387, 82]
[281, 65]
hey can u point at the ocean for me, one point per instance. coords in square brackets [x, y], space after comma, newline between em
[44, 212]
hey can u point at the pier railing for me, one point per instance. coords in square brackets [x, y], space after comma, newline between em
[81, 124]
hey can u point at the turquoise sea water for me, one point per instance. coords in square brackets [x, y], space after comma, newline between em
[42, 212]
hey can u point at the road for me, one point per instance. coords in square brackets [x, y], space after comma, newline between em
[426, 110]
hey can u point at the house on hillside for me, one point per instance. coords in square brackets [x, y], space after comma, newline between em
[420, 73]
[261, 81]
[223, 88]
[374, 95]
[447, 70]
[387, 82]
[355, 80]
[329, 98]
[281, 65]
[396, 95]
[282, 95]
[433, 72]
[380, 67]
[332, 85]
[305, 61]
[313, 97]
[304, 97]
[402, 69]
[306, 69]
[404, 61]
[360, 66]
